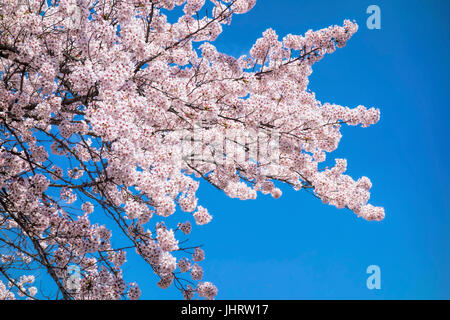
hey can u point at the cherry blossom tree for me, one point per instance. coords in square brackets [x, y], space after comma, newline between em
[114, 110]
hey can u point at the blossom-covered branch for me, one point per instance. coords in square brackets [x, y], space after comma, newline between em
[108, 109]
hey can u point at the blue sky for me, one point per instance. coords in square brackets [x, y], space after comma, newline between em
[296, 247]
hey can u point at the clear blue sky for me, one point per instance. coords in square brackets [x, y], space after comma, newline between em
[296, 247]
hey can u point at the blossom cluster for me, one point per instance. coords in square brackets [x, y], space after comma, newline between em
[96, 100]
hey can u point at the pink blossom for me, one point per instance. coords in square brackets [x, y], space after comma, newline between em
[202, 216]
